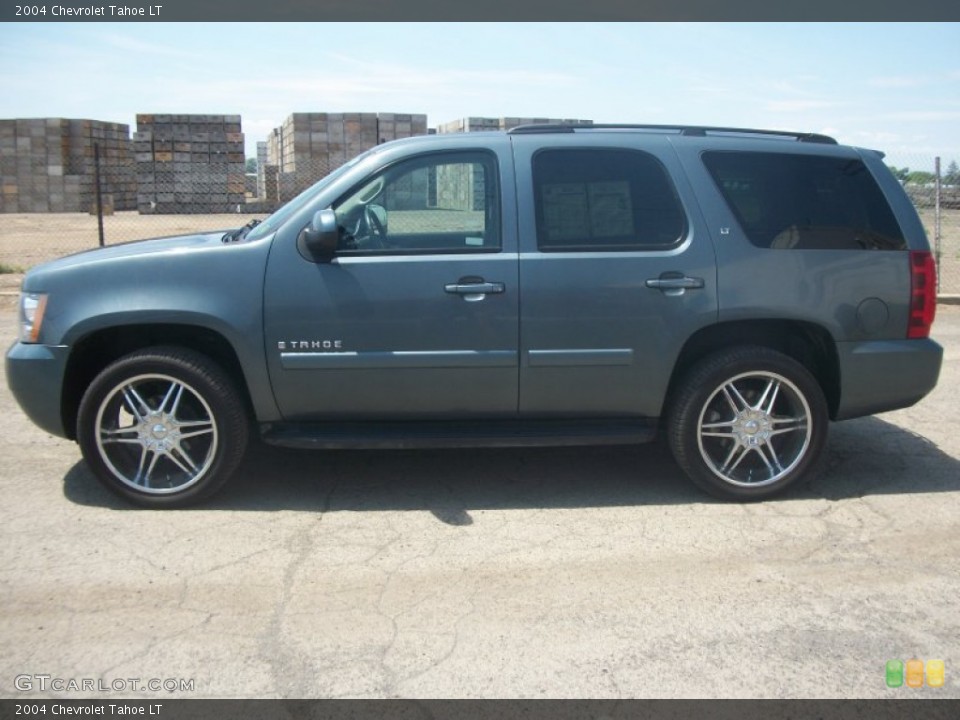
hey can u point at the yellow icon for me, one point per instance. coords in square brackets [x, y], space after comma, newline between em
[914, 673]
[935, 673]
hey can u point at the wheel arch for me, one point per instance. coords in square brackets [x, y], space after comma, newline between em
[808, 343]
[98, 349]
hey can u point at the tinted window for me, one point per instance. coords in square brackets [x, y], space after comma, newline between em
[789, 201]
[433, 203]
[592, 200]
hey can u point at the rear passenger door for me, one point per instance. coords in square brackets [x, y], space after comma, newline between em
[616, 272]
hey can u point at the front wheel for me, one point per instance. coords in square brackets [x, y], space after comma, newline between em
[747, 423]
[162, 427]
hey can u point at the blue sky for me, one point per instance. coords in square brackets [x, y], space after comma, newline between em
[895, 87]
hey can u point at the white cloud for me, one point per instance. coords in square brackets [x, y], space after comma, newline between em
[899, 81]
[798, 105]
[925, 115]
[131, 44]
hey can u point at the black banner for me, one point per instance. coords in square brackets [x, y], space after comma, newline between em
[484, 10]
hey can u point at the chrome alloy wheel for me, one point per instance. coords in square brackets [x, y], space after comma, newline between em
[156, 434]
[754, 429]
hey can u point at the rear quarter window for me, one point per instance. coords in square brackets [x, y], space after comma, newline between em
[789, 201]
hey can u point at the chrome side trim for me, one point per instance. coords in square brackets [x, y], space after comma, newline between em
[400, 359]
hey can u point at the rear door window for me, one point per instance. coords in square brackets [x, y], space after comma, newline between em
[604, 200]
[805, 202]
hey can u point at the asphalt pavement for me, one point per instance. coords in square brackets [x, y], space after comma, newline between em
[555, 572]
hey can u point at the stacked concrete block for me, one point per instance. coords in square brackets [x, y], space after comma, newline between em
[512, 122]
[189, 164]
[469, 124]
[394, 126]
[481, 124]
[48, 165]
[261, 168]
[271, 185]
[308, 146]
[459, 187]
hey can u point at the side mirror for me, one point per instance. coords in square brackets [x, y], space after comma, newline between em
[317, 242]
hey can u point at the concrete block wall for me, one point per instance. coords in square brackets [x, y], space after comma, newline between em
[308, 146]
[47, 165]
[481, 124]
[261, 167]
[189, 163]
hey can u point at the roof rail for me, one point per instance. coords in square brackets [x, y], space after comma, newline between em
[690, 130]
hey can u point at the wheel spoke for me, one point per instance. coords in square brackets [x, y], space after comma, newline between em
[734, 397]
[773, 462]
[723, 429]
[725, 423]
[190, 467]
[173, 394]
[792, 424]
[736, 450]
[116, 435]
[153, 464]
[140, 478]
[136, 404]
[772, 389]
[205, 431]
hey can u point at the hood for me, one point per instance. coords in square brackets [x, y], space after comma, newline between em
[156, 246]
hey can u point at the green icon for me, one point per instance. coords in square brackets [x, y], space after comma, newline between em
[894, 673]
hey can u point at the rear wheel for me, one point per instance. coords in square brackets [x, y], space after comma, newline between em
[747, 423]
[162, 427]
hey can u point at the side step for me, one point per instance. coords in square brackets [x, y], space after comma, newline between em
[458, 434]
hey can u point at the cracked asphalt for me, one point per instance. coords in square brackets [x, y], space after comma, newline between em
[564, 572]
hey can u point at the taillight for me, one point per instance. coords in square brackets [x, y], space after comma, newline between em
[923, 294]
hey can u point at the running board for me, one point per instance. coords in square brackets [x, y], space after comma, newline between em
[457, 434]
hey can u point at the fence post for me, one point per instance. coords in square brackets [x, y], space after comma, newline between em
[936, 217]
[96, 179]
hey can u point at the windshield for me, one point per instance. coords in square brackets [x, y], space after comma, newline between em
[272, 222]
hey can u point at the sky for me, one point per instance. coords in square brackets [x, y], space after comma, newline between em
[889, 86]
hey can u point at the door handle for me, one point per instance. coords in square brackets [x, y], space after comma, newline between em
[674, 283]
[474, 288]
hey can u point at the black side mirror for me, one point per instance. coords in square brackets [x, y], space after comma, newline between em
[317, 242]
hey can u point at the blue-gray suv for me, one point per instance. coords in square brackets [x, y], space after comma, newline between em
[732, 290]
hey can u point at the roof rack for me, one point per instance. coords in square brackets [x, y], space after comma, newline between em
[689, 130]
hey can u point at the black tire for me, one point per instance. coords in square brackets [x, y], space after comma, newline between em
[746, 423]
[162, 427]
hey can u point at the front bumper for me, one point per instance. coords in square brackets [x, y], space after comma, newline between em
[884, 375]
[35, 377]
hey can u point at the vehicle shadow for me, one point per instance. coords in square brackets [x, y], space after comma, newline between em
[864, 457]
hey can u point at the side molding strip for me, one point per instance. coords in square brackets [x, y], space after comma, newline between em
[402, 359]
[580, 358]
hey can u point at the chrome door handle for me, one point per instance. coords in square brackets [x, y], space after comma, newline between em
[674, 284]
[478, 288]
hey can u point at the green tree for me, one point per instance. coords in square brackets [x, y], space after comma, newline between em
[251, 165]
[920, 177]
[900, 174]
[952, 176]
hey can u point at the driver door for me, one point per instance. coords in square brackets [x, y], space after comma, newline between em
[417, 315]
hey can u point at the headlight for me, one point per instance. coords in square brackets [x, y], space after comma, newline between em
[32, 306]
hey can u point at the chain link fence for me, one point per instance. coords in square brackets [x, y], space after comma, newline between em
[179, 196]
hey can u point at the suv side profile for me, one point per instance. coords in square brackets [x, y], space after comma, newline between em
[734, 290]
